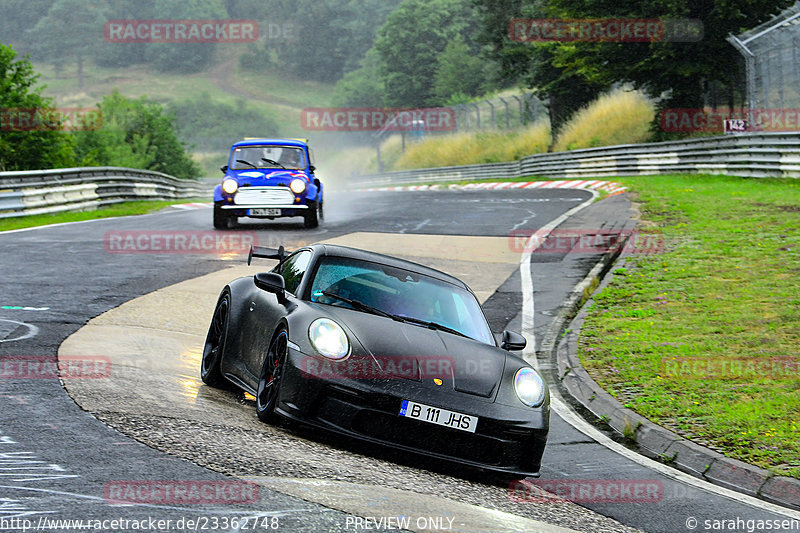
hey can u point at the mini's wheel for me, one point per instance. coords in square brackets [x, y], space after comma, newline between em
[221, 219]
[269, 382]
[311, 218]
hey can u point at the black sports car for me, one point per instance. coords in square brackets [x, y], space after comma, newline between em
[379, 349]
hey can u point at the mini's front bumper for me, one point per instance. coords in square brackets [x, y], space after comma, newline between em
[259, 197]
[256, 206]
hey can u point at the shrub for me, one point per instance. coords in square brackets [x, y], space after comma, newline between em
[468, 148]
[619, 117]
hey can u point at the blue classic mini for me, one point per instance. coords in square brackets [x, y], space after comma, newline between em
[268, 178]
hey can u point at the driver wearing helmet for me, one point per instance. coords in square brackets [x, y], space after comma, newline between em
[290, 158]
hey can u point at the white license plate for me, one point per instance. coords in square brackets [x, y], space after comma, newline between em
[441, 417]
[266, 212]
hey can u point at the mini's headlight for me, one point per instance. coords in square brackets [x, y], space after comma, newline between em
[329, 339]
[529, 387]
[230, 186]
[297, 186]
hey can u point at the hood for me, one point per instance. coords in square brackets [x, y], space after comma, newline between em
[269, 177]
[416, 352]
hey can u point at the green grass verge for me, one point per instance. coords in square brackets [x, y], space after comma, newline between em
[703, 338]
[118, 210]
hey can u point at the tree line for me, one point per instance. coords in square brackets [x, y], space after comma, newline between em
[441, 52]
[409, 53]
[125, 132]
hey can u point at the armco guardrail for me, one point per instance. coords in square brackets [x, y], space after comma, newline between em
[755, 155]
[67, 189]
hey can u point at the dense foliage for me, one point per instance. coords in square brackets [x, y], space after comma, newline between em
[413, 53]
[207, 124]
[573, 73]
[137, 134]
[131, 133]
[22, 150]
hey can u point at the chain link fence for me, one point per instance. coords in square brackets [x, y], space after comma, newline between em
[501, 112]
[771, 53]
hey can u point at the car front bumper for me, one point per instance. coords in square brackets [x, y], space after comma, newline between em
[507, 439]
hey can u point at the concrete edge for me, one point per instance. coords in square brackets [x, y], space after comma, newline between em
[651, 440]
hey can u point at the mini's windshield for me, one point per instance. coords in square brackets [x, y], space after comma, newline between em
[267, 156]
[401, 293]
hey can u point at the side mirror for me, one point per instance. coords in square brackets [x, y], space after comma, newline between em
[513, 341]
[224, 168]
[311, 168]
[271, 282]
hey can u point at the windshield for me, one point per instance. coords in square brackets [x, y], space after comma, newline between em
[267, 156]
[401, 293]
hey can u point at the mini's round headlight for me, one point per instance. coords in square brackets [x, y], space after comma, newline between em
[297, 186]
[329, 339]
[529, 387]
[230, 186]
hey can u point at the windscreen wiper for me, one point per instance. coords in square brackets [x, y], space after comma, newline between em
[361, 306]
[273, 162]
[246, 162]
[429, 324]
[400, 318]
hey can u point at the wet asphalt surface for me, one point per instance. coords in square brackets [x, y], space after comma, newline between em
[59, 462]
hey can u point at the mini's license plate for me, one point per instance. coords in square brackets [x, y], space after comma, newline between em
[441, 417]
[266, 212]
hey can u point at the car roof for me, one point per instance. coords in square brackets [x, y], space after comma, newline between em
[260, 142]
[336, 250]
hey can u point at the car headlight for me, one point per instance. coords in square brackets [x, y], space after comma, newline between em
[230, 186]
[329, 339]
[297, 186]
[529, 387]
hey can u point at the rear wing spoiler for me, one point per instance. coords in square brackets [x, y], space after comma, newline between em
[267, 253]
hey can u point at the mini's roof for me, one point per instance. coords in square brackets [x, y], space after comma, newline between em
[355, 253]
[259, 142]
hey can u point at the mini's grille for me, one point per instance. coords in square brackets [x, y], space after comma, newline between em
[264, 196]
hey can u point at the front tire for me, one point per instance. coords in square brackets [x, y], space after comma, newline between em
[221, 219]
[269, 383]
[311, 219]
[210, 371]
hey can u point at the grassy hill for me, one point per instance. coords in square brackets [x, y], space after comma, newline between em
[274, 97]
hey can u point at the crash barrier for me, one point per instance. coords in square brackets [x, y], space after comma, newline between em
[757, 155]
[35, 192]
